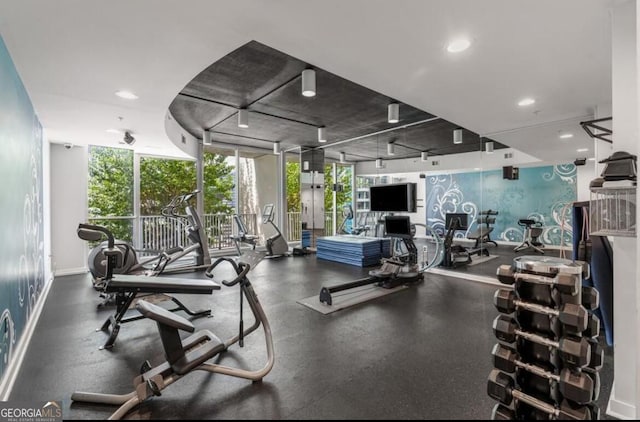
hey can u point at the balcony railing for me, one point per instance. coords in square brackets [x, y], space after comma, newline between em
[159, 233]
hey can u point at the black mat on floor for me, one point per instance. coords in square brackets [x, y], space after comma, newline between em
[420, 354]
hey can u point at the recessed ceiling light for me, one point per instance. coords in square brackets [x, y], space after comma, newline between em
[566, 136]
[582, 149]
[116, 131]
[458, 45]
[526, 102]
[591, 159]
[127, 95]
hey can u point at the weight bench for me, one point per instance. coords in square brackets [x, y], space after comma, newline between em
[127, 287]
[243, 235]
[482, 234]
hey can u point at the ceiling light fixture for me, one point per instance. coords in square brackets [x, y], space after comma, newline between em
[591, 159]
[276, 148]
[127, 95]
[566, 136]
[526, 102]
[424, 155]
[322, 134]
[343, 157]
[305, 165]
[458, 45]
[394, 113]
[206, 137]
[457, 136]
[243, 118]
[582, 149]
[116, 131]
[390, 149]
[379, 163]
[488, 147]
[309, 83]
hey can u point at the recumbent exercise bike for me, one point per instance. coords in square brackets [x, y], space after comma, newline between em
[163, 262]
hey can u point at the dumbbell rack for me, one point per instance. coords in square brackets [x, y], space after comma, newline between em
[548, 357]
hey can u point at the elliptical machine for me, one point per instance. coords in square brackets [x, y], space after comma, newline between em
[158, 264]
[276, 245]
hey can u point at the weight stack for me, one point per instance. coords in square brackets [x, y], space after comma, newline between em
[547, 359]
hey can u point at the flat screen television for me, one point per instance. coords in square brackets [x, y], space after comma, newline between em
[461, 218]
[398, 226]
[398, 197]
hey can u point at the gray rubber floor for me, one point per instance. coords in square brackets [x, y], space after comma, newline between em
[423, 353]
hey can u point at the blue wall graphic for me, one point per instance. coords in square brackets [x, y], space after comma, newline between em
[540, 193]
[21, 226]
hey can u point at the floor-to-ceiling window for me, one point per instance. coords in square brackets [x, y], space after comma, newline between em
[111, 190]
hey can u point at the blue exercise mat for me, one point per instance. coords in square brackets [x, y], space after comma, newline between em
[353, 250]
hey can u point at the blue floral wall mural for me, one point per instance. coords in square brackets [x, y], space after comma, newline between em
[21, 228]
[540, 193]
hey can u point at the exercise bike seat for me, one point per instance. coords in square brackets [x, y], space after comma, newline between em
[185, 356]
[527, 222]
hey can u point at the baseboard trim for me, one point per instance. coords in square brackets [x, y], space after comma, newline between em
[619, 409]
[23, 344]
[71, 271]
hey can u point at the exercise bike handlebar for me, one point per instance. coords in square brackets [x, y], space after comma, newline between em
[170, 209]
[88, 231]
[241, 269]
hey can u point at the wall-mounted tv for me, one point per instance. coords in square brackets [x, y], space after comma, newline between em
[397, 197]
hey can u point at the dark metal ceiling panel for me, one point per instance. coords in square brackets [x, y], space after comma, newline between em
[268, 83]
[245, 75]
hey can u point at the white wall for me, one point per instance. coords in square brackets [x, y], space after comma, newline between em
[46, 207]
[585, 174]
[69, 174]
[624, 399]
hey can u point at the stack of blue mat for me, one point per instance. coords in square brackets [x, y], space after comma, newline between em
[352, 250]
[385, 247]
[306, 238]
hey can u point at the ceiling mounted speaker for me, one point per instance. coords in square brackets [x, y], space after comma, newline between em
[343, 157]
[379, 163]
[309, 82]
[424, 156]
[276, 148]
[243, 118]
[206, 137]
[128, 139]
[488, 147]
[391, 149]
[322, 134]
[457, 136]
[394, 113]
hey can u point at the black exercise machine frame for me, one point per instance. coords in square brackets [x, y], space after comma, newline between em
[127, 287]
[384, 279]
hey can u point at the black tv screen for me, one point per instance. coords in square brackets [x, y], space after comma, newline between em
[461, 219]
[393, 198]
[398, 226]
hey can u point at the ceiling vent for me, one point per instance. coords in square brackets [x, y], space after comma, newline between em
[435, 163]
[508, 155]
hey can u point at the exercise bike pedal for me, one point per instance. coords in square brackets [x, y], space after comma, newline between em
[145, 367]
[153, 387]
